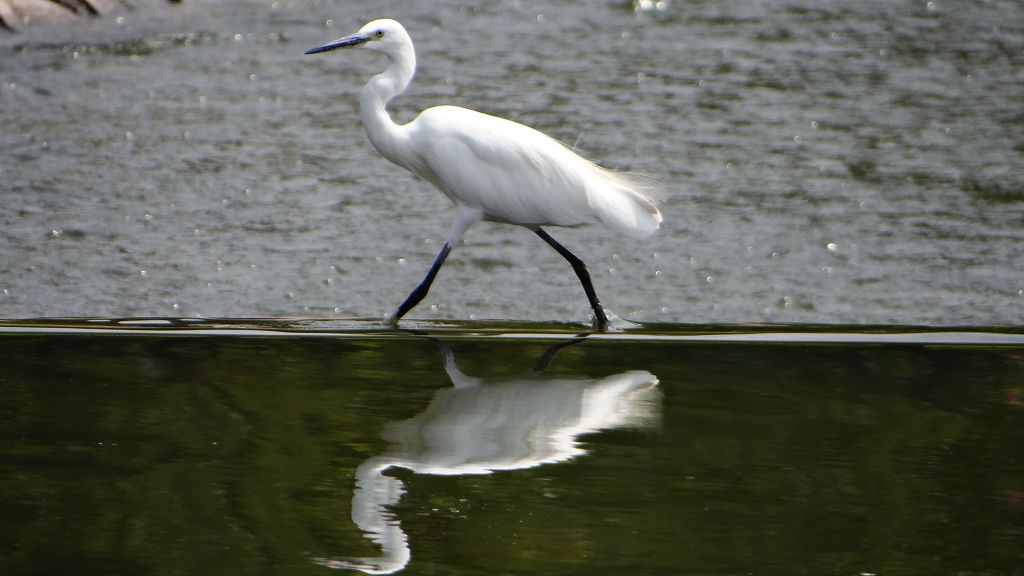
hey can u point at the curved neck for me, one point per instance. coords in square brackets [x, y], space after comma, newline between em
[385, 135]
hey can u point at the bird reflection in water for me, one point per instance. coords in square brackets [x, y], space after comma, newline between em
[480, 427]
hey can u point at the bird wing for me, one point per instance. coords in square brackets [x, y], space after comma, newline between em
[518, 175]
[509, 171]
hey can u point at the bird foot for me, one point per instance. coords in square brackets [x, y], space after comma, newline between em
[613, 323]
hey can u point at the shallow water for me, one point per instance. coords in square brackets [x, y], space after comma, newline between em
[831, 163]
[232, 447]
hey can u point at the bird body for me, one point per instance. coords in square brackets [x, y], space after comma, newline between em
[517, 175]
[491, 168]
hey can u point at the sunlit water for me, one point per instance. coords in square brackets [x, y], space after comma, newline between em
[824, 162]
[298, 448]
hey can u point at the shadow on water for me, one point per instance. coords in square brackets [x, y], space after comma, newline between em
[479, 426]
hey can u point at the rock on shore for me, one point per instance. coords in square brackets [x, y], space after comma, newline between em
[18, 14]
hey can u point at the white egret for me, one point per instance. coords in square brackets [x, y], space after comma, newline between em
[491, 168]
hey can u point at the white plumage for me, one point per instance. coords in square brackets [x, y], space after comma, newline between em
[517, 175]
[491, 168]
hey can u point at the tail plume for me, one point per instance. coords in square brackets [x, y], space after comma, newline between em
[627, 203]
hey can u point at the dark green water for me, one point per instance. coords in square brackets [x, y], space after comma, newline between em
[235, 449]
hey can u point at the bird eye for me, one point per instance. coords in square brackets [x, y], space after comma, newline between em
[379, 34]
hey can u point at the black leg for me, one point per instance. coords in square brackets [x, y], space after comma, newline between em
[581, 271]
[421, 290]
[549, 354]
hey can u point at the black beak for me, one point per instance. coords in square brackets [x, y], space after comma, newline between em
[350, 40]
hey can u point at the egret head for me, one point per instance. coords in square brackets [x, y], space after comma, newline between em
[382, 35]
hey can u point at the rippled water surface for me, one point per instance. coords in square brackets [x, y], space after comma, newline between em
[163, 447]
[853, 162]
